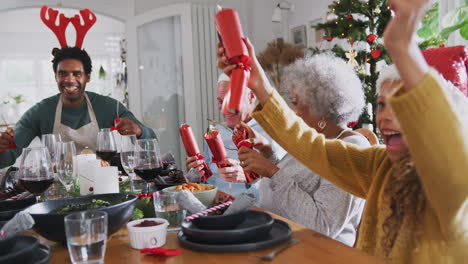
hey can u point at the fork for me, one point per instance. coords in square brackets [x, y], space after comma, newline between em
[272, 255]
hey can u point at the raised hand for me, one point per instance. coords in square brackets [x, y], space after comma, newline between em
[258, 141]
[252, 161]
[400, 43]
[192, 162]
[126, 126]
[233, 172]
[258, 81]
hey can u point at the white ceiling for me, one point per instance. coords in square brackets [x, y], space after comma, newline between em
[115, 8]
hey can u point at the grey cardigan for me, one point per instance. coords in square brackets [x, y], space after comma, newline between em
[297, 193]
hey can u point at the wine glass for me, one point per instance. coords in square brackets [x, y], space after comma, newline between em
[65, 163]
[148, 163]
[35, 172]
[106, 147]
[127, 157]
[50, 141]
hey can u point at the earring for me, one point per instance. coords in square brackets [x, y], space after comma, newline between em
[322, 124]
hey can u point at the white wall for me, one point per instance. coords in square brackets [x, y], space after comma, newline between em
[262, 10]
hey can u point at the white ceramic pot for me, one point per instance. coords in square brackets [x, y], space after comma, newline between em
[148, 236]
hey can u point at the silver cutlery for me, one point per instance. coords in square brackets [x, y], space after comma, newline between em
[272, 255]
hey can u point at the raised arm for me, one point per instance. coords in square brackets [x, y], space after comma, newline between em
[435, 133]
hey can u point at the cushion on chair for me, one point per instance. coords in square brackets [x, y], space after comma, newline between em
[452, 63]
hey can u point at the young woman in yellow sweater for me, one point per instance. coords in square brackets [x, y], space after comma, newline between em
[417, 187]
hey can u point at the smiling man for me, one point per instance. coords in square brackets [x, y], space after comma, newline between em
[75, 114]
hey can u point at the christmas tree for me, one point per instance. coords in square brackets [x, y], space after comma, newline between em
[362, 24]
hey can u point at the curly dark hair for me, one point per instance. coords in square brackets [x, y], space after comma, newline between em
[71, 53]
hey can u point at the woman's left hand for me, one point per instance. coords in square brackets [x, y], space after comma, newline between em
[252, 161]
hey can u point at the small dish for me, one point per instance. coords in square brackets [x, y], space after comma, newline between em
[147, 236]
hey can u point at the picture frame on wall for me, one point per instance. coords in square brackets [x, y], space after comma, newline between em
[299, 35]
[315, 37]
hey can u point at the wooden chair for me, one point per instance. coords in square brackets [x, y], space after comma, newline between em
[373, 139]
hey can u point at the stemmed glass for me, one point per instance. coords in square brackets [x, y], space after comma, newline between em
[65, 163]
[106, 148]
[50, 142]
[35, 171]
[127, 157]
[148, 163]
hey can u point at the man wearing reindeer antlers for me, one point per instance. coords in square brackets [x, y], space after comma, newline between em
[73, 113]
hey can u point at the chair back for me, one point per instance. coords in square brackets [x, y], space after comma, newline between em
[367, 133]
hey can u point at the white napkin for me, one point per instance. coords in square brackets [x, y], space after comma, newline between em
[84, 171]
[242, 203]
[189, 202]
[106, 179]
[20, 222]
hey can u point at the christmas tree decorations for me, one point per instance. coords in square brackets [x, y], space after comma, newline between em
[371, 38]
[362, 23]
[375, 53]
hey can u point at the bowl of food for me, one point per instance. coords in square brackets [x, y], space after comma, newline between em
[147, 233]
[9, 208]
[49, 216]
[204, 192]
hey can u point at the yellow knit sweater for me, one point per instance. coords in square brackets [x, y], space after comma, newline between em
[435, 137]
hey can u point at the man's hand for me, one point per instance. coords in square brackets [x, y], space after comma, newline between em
[192, 162]
[126, 126]
[232, 173]
[252, 161]
[5, 139]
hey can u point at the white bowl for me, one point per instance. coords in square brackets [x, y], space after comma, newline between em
[148, 236]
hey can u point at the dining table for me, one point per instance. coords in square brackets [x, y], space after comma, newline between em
[313, 247]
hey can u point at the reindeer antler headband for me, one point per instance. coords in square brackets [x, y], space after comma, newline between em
[89, 18]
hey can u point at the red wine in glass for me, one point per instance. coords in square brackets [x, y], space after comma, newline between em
[36, 187]
[106, 155]
[148, 174]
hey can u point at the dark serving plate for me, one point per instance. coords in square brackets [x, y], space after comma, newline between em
[280, 233]
[22, 250]
[8, 209]
[256, 225]
[41, 255]
[220, 222]
[51, 225]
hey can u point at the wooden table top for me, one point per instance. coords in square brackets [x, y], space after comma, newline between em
[312, 248]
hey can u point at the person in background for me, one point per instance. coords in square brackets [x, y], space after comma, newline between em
[231, 120]
[415, 186]
[73, 113]
[291, 190]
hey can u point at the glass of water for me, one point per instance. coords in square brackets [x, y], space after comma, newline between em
[166, 207]
[86, 236]
[127, 157]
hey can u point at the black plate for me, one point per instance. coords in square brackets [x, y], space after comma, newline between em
[22, 250]
[220, 222]
[256, 224]
[280, 233]
[8, 209]
[41, 255]
[51, 225]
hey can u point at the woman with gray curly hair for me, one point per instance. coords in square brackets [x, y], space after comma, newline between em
[326, 101]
